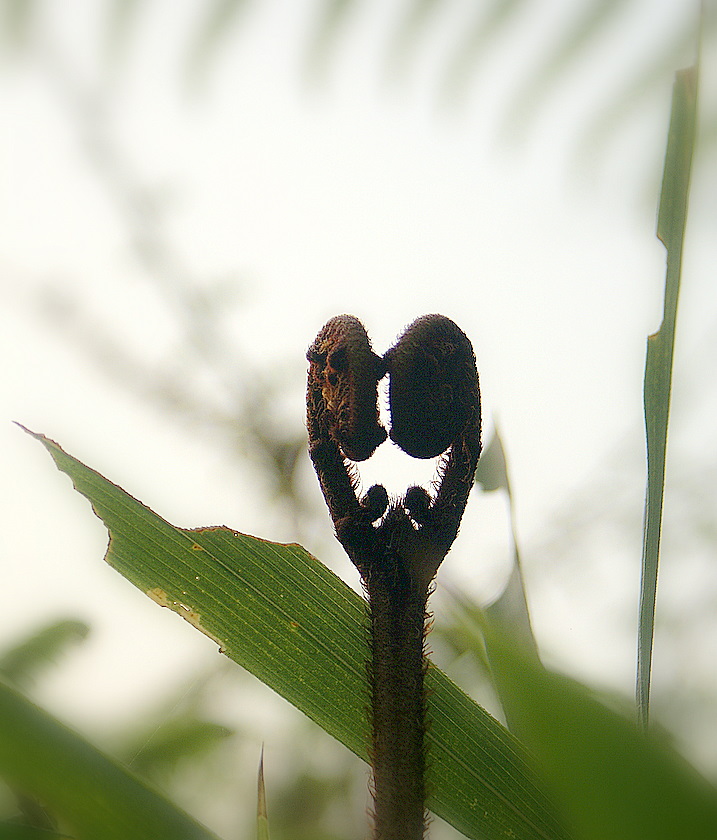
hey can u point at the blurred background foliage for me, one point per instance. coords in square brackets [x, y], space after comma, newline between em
[241, 405]
[580, 28]
[210, 388]
[180, 748]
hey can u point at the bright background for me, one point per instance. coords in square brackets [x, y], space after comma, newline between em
[177, 226]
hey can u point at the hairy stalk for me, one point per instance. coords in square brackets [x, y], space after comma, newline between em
[396, 671]
[398, 547]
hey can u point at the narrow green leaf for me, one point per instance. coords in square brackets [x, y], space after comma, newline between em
[277, 611]
[672, 216]
[637, 87]
[511, 608]
[672, 219]
[20, 664]
[612, 780]
[593, 17]
[332, 19]
[492, 470]
[476, 39]
[99, 798]
[122, 16]
[218, 19]
[180, 739]
[417, 17]
[262, 821]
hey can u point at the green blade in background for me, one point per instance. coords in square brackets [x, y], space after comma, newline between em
[20, 664]
[98, 797]
[262, 819]
[614, 781]
[671, 223]
[511, 607]
[277, 611]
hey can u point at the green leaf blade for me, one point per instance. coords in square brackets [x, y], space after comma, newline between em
[262, 820]
[674, 196]
[613, 780]
[21, 664]
[672, 220]
[281, 614]
[97, 796]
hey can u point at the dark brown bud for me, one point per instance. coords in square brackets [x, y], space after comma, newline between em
[375, 502]
[347, 372]
[418, 505]
[433, 387]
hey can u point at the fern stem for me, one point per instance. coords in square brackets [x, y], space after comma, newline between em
[396, 672]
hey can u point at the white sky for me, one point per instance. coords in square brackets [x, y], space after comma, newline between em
[352, 197]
